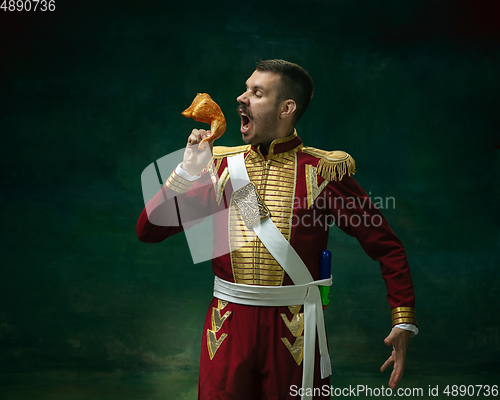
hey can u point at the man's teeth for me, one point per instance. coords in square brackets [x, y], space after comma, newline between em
[245, 122]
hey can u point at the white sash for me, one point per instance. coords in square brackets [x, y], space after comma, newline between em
[287, 257]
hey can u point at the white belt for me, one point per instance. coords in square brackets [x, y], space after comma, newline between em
[307, 291]
[276, 296]
[264, 296]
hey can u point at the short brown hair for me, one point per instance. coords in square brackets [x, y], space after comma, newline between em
[296, 83]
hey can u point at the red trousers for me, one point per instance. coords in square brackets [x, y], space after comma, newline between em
[250, 359]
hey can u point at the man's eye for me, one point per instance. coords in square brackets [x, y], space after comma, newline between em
[257, 94]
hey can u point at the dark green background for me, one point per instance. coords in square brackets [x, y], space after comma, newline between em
[91, 94]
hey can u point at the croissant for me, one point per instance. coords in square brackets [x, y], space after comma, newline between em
[204, 109]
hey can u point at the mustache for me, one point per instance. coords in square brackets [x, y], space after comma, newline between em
[244, 109]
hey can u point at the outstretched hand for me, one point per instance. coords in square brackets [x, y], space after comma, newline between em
[194, 159]
[399, 339]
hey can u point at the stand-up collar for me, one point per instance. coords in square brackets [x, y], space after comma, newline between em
[281, 145]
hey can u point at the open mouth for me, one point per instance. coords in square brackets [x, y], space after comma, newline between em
[245, 121]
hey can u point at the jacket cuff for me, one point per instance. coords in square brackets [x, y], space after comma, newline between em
[178, 184]
[183, 174]
[403, 315]
[407, 327]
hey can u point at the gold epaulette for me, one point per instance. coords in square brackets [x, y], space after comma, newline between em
[223, 151]
[332, 165]
[220, 152]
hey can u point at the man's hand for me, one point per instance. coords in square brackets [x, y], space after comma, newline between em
[195, 160]
[399, 339]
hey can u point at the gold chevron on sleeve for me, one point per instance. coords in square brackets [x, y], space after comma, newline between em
[297, 350]
[213, 343]
[313, 190]
[295, 325]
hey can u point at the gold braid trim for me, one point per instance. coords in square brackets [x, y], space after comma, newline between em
[403, 315]
[332, 165]
[177, 184]
[220, 152]
[211, 166]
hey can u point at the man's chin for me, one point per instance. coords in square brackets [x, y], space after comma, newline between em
[247, 137]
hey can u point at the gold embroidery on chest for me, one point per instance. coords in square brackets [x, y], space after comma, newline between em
[251, 207]
[275, 181]
[313, 190]
[213, 343]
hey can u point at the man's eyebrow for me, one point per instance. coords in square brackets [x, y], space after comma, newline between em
[257, 87]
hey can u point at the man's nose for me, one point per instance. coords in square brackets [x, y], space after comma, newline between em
[242, 98]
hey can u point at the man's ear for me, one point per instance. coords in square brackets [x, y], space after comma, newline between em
[288, 107]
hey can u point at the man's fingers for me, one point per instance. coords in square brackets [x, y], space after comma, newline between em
[388, 362]
[192, 137]
[197, 136]
[388, 340]
[398, 338]
[396, 375]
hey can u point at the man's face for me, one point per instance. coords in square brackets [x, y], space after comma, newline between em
[258, 110]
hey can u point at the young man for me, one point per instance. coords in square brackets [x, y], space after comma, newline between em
[259, 338]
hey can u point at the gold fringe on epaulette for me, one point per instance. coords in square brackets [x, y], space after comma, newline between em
[335, 170]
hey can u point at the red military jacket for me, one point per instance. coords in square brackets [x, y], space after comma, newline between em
[305, 189]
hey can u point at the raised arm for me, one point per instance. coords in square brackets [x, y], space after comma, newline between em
[161, 217]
